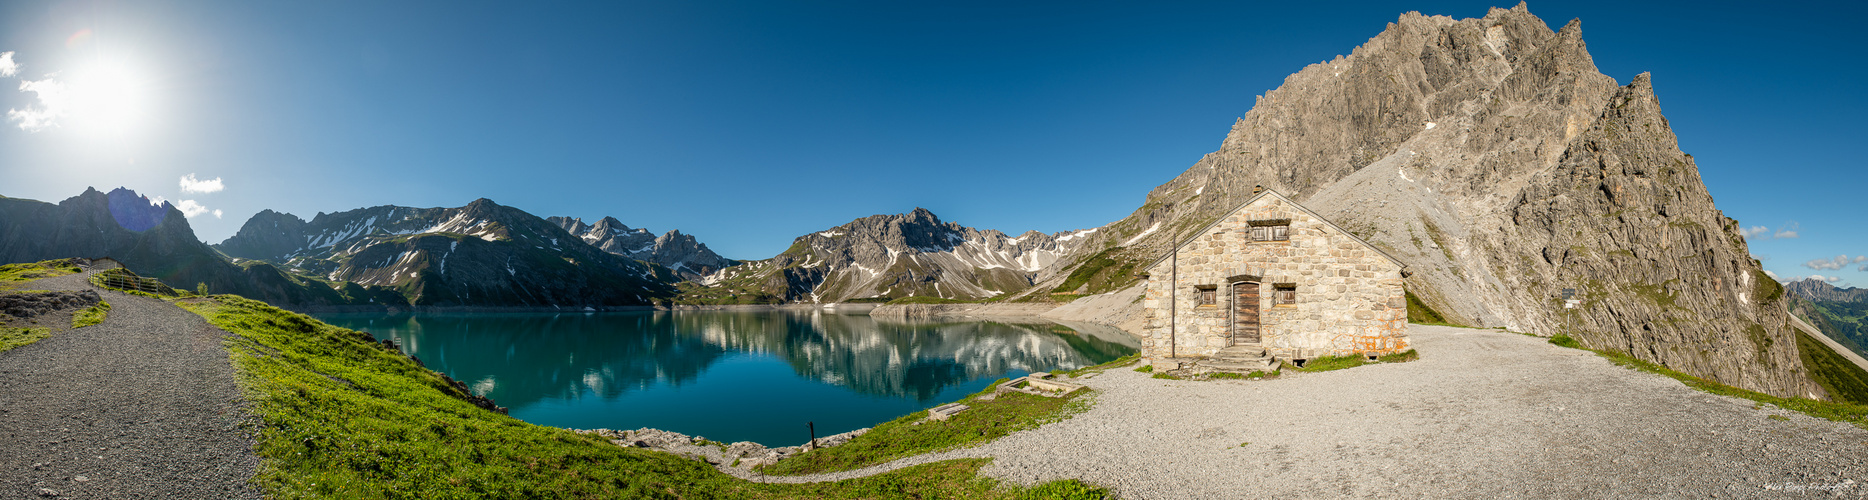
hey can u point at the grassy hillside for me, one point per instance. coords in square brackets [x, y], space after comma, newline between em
[1845, 322]
[345, 417]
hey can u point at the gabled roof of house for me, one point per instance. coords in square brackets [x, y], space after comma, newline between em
[1256, 197]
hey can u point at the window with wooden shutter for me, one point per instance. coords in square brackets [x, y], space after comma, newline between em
[1283, 294]
[1270, 230]
[1207, 294]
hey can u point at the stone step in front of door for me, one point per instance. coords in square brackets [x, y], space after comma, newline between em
[1243, 366]
[1240, 352]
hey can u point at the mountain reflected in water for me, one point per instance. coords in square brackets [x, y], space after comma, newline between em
[694, 367]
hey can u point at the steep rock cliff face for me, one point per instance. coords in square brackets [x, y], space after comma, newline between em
[683, 255]
[903, 255]
[1493, 158]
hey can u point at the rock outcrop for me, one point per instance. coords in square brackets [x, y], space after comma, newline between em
[1493, 158]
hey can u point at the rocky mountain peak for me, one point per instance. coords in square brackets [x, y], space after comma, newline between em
[900, 255]
[1815, 289]
[683, 254]
[1494, 158]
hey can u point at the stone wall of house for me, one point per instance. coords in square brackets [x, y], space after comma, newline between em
[1349, 296]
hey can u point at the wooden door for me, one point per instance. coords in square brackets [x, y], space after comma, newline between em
[1244, 313]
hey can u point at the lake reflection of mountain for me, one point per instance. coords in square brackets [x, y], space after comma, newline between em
[522, 359]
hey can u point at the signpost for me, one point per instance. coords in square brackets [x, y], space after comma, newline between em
[1569, 305]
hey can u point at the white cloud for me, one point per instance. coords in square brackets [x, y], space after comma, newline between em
[190, 208]
[1839, 262]
[1786, 232]
[192, 185]
[1819, 277]
[1753, 231]
[54, 96]
[1861, 258]
[1767, 272]
[7, 66]
[217, 213]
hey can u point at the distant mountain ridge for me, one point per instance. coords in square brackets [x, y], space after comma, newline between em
[481, 254]
[902, 255]
[680, 253]
[1815, 289]
[151, 239]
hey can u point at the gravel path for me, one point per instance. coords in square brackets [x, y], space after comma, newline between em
[1482, 414]
[141, 406]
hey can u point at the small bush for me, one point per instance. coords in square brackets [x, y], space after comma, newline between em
[1164, 376]
[1227, 375]
[1145, 368]
[1563, 340]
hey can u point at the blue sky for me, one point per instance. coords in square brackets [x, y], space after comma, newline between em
[750, 123]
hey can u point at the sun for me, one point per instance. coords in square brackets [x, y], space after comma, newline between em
[108, 97]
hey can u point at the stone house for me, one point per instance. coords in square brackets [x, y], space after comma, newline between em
[1272, 280]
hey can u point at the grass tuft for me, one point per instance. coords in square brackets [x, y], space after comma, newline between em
[1400, 357]
[12, 275]
[912, 434]
[1563, 340]
[1065, 489]
[1419, 313]
[1329, 363]
[13, 337]
[90, 315]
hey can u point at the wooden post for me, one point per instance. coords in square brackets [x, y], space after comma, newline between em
[1174, 303]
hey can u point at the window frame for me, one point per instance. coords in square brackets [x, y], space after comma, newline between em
[1206, 295]
[1283, 294]
[1269, 230]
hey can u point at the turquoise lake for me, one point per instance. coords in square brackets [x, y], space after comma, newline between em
[731, 376]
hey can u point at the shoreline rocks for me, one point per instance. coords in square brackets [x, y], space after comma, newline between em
[739, 457]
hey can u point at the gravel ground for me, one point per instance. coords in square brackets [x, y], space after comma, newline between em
[141, 406]
[1482, 414]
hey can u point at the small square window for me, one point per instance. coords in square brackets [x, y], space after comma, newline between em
[1271, 233]
[1284, 295]
[1207, 295]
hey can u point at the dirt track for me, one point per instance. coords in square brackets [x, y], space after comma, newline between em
[142, 405]
[1483, 414]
